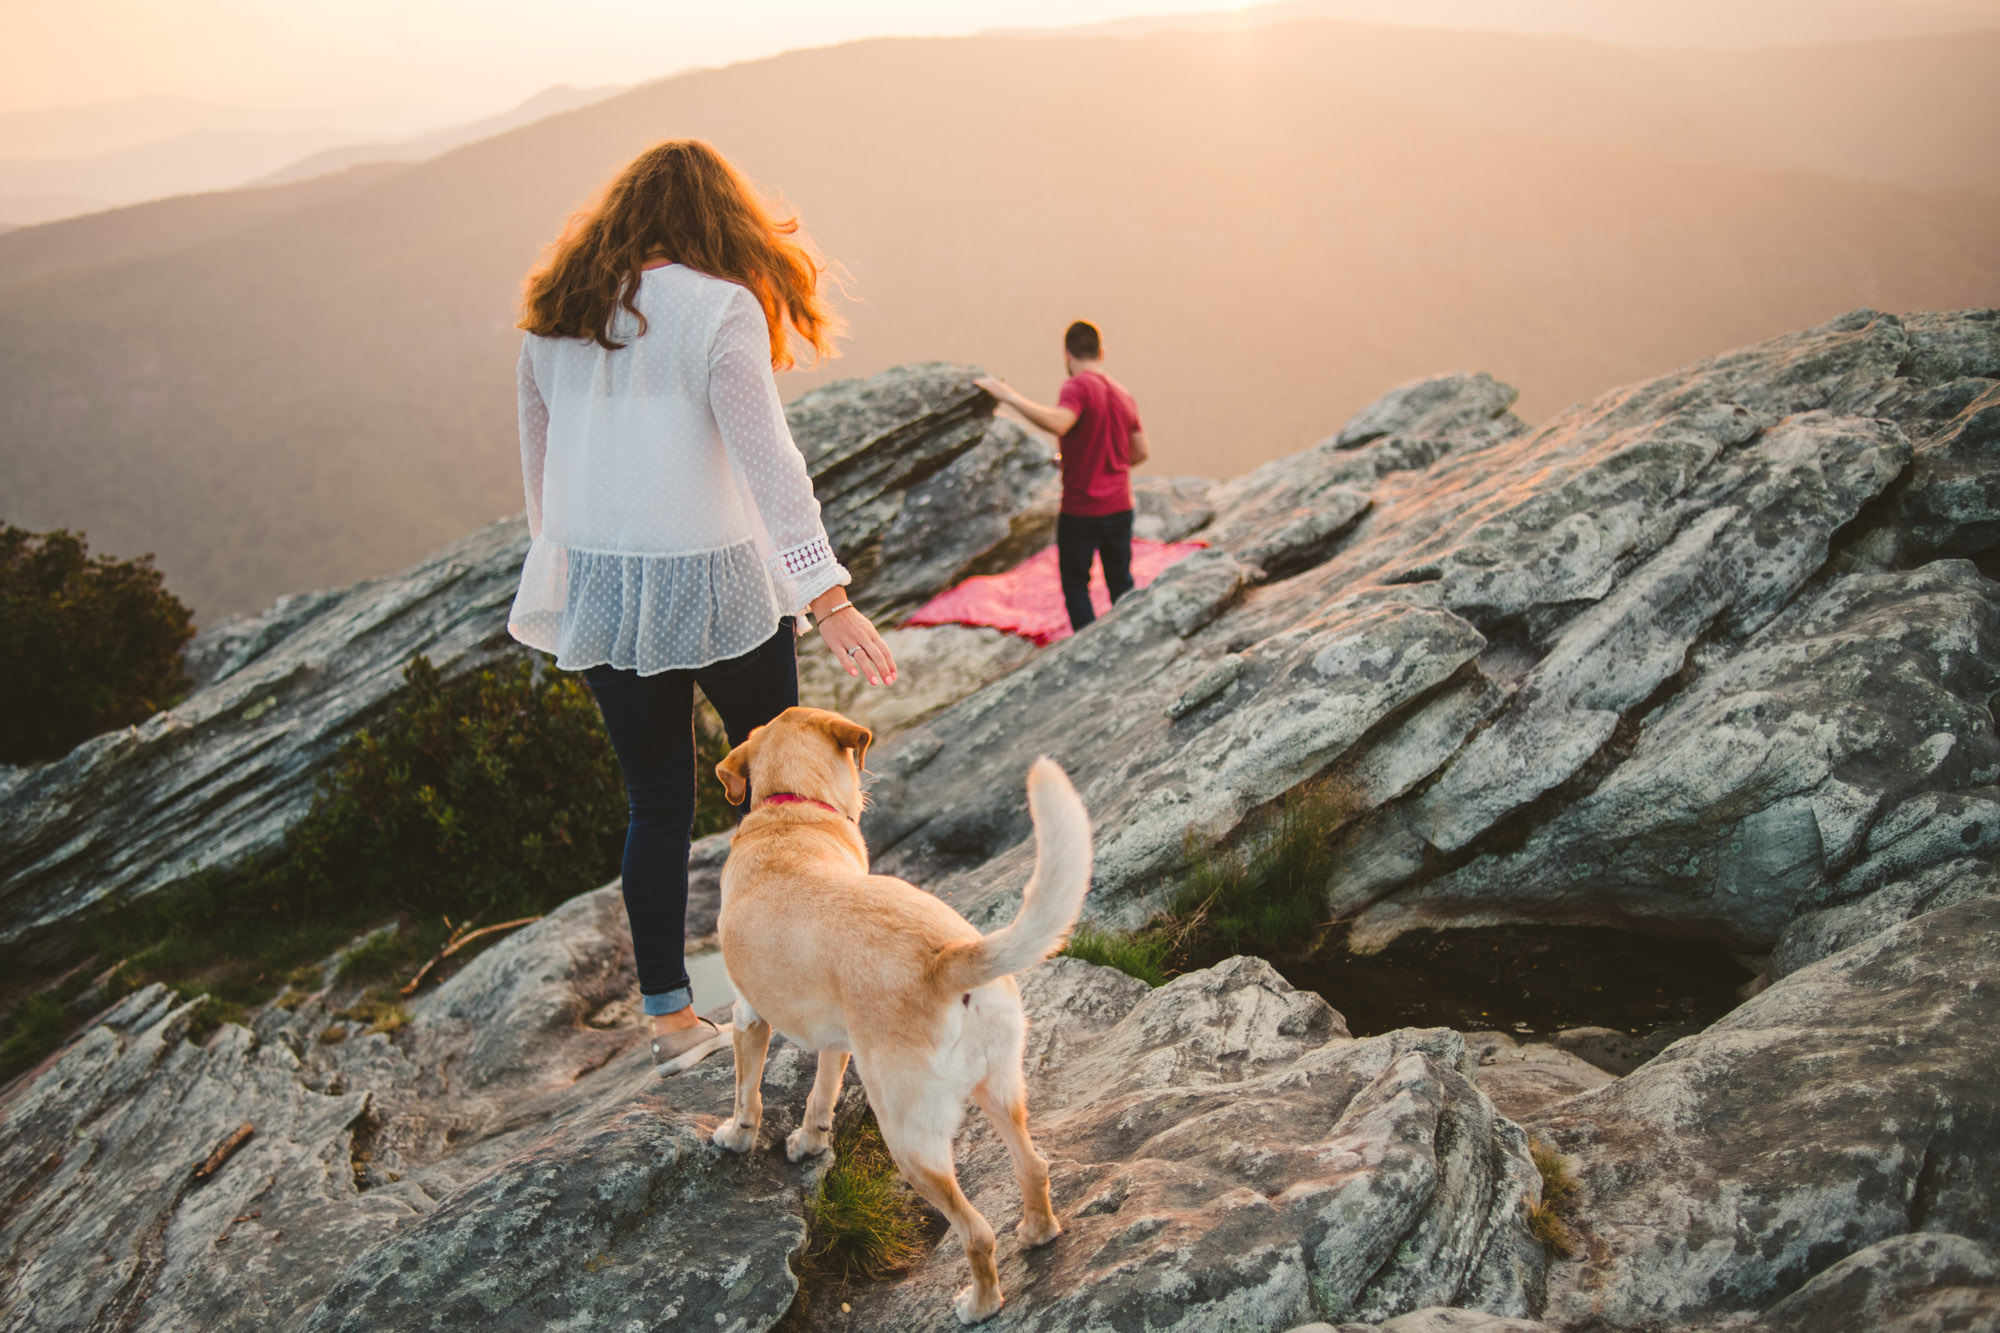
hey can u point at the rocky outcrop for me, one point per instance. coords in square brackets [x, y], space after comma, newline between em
[920, 484]
[1710, 656]
[507, 1160]
[1224, 1156]
[1680, 659]
[1850, 1104]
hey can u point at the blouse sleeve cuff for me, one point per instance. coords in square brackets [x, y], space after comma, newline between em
[802, 573]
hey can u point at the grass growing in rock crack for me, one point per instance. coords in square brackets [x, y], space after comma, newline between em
[865, 1224]
[1265, 896]
[1549, 1218]
[865, 1220]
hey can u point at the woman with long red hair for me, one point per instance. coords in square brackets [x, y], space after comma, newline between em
[676, 539]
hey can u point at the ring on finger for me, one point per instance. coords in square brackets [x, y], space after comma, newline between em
[855, 649]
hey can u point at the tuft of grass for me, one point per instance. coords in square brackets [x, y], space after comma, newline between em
[864, 1218]
[1138, 953]
[1264, 897]
[1267, 896]
[1549, 1217]
[379, 1009]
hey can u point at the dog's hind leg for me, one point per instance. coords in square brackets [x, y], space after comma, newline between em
[925, 1160]
[1005, 1101]
[752, 1042]
[815, 1131]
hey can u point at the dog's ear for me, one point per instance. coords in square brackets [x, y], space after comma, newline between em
[734, 770]
[851, 736]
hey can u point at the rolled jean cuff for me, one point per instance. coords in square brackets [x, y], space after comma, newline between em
[667, 1002]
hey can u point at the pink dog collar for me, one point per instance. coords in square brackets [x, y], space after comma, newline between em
[793, 798]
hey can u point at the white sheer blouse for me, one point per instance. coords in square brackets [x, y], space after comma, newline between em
[672, 517]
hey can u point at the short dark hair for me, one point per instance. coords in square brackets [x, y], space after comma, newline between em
[1081, 341]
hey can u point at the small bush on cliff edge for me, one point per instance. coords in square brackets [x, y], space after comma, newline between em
[492, 796]
[86, 645]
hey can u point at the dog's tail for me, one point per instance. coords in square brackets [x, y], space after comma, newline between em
[1050, 903]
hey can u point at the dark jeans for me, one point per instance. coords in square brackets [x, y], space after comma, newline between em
[1108, 536]
[651, 721]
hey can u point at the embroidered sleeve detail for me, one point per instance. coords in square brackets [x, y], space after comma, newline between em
[803, 572]
[802, 558]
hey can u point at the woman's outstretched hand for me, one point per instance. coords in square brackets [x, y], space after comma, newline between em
[852, 639]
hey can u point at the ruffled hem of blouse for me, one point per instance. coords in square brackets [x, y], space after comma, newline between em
[644, 613]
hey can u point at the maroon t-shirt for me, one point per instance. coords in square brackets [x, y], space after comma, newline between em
[1097, 450]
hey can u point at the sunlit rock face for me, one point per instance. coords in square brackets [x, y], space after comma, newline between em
[1236, 1160]
[1701, 656]
[1709, 656]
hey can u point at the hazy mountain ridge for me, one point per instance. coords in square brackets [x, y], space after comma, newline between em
[1716, 24]
[37, 186]
[335, 384]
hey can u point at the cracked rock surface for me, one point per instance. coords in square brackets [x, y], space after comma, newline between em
[1221, 1147]
[1701, 657]
[1851, 1103]
[1222, 1154]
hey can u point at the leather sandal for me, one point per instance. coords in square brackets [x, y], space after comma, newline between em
[677, 1051]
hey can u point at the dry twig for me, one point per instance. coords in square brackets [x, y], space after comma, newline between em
[224, 1151]
[460, 937]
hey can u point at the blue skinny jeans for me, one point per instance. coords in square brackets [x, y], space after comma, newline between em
[651, 721]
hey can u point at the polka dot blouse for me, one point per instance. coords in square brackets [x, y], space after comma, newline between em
[672, 517]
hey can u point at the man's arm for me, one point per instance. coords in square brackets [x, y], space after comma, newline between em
[1055, 420]
[1136, 449]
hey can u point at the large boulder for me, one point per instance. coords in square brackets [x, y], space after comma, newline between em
[1224, 1155]
[920, 485]
[1851, 1103]
[1683, 659]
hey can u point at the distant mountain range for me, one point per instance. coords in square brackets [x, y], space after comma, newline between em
[153, 148]
[301, 385]
[1716, 24]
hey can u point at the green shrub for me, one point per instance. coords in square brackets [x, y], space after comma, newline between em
[492, 796]
[34, 1027]
[484, 795]
[86, 645]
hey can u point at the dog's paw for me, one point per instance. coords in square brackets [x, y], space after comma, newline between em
[971, 1311]
[735, 1137]
[1035, 1232]
[805, 1141]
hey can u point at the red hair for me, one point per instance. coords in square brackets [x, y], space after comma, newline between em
[679, 200]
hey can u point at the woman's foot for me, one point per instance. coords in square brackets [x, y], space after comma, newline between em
[685, 1046]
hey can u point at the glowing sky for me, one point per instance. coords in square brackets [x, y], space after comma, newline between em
[460, 55]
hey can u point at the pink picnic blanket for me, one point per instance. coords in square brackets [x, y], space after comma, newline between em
[1027, 599]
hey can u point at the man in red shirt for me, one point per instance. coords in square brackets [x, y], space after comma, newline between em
[1101, 441]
